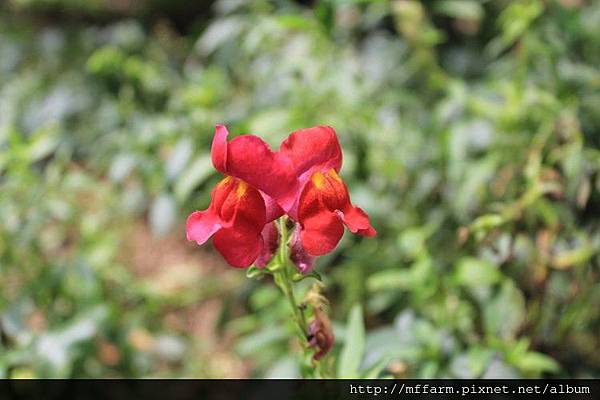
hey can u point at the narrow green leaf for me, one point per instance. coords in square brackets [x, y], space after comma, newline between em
[352, 353]
[254, 272]
[537, 363]
[300, 277]
[375, 371]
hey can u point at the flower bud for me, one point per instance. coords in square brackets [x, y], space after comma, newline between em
[303, 261]
[270, 237]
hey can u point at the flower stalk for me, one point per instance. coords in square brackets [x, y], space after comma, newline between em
[284, 270]
[282, 275]
[297, 183]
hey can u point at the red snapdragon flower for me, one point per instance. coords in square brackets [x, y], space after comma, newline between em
[322, 206]
[300, 180]
[245, 202]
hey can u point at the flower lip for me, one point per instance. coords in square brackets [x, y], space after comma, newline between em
[235, 218]
[324, 208]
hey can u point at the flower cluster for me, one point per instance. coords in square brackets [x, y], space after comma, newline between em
[300, 180]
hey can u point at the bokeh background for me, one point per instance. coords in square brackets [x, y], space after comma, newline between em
[470, 132]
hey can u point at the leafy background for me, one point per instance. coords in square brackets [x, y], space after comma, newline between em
[470, 135]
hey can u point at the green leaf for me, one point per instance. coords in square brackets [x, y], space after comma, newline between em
[505, 313]
[405, 279]
[460, 9]
[42, 144]
[290, 21]
[260, 340]
[193, 176]
[569, 258]
[375, 371]
[535, 363]
[474, 272]
[106, 60]
[487, 222]
[354, 347]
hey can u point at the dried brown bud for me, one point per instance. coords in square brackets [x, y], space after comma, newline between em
[321, 336]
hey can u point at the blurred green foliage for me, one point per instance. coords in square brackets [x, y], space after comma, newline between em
[470, 135]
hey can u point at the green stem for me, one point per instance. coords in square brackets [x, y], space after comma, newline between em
[283, 280]
[282, 275]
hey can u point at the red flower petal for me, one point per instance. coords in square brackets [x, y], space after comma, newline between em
[201, 225]
[323, 205]
[274, 211]
[369, 232]
[321, 232]
[236, 216]
[250, 159]
[312, 149]
[218, 151]
[240, 245]
[357, 221]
